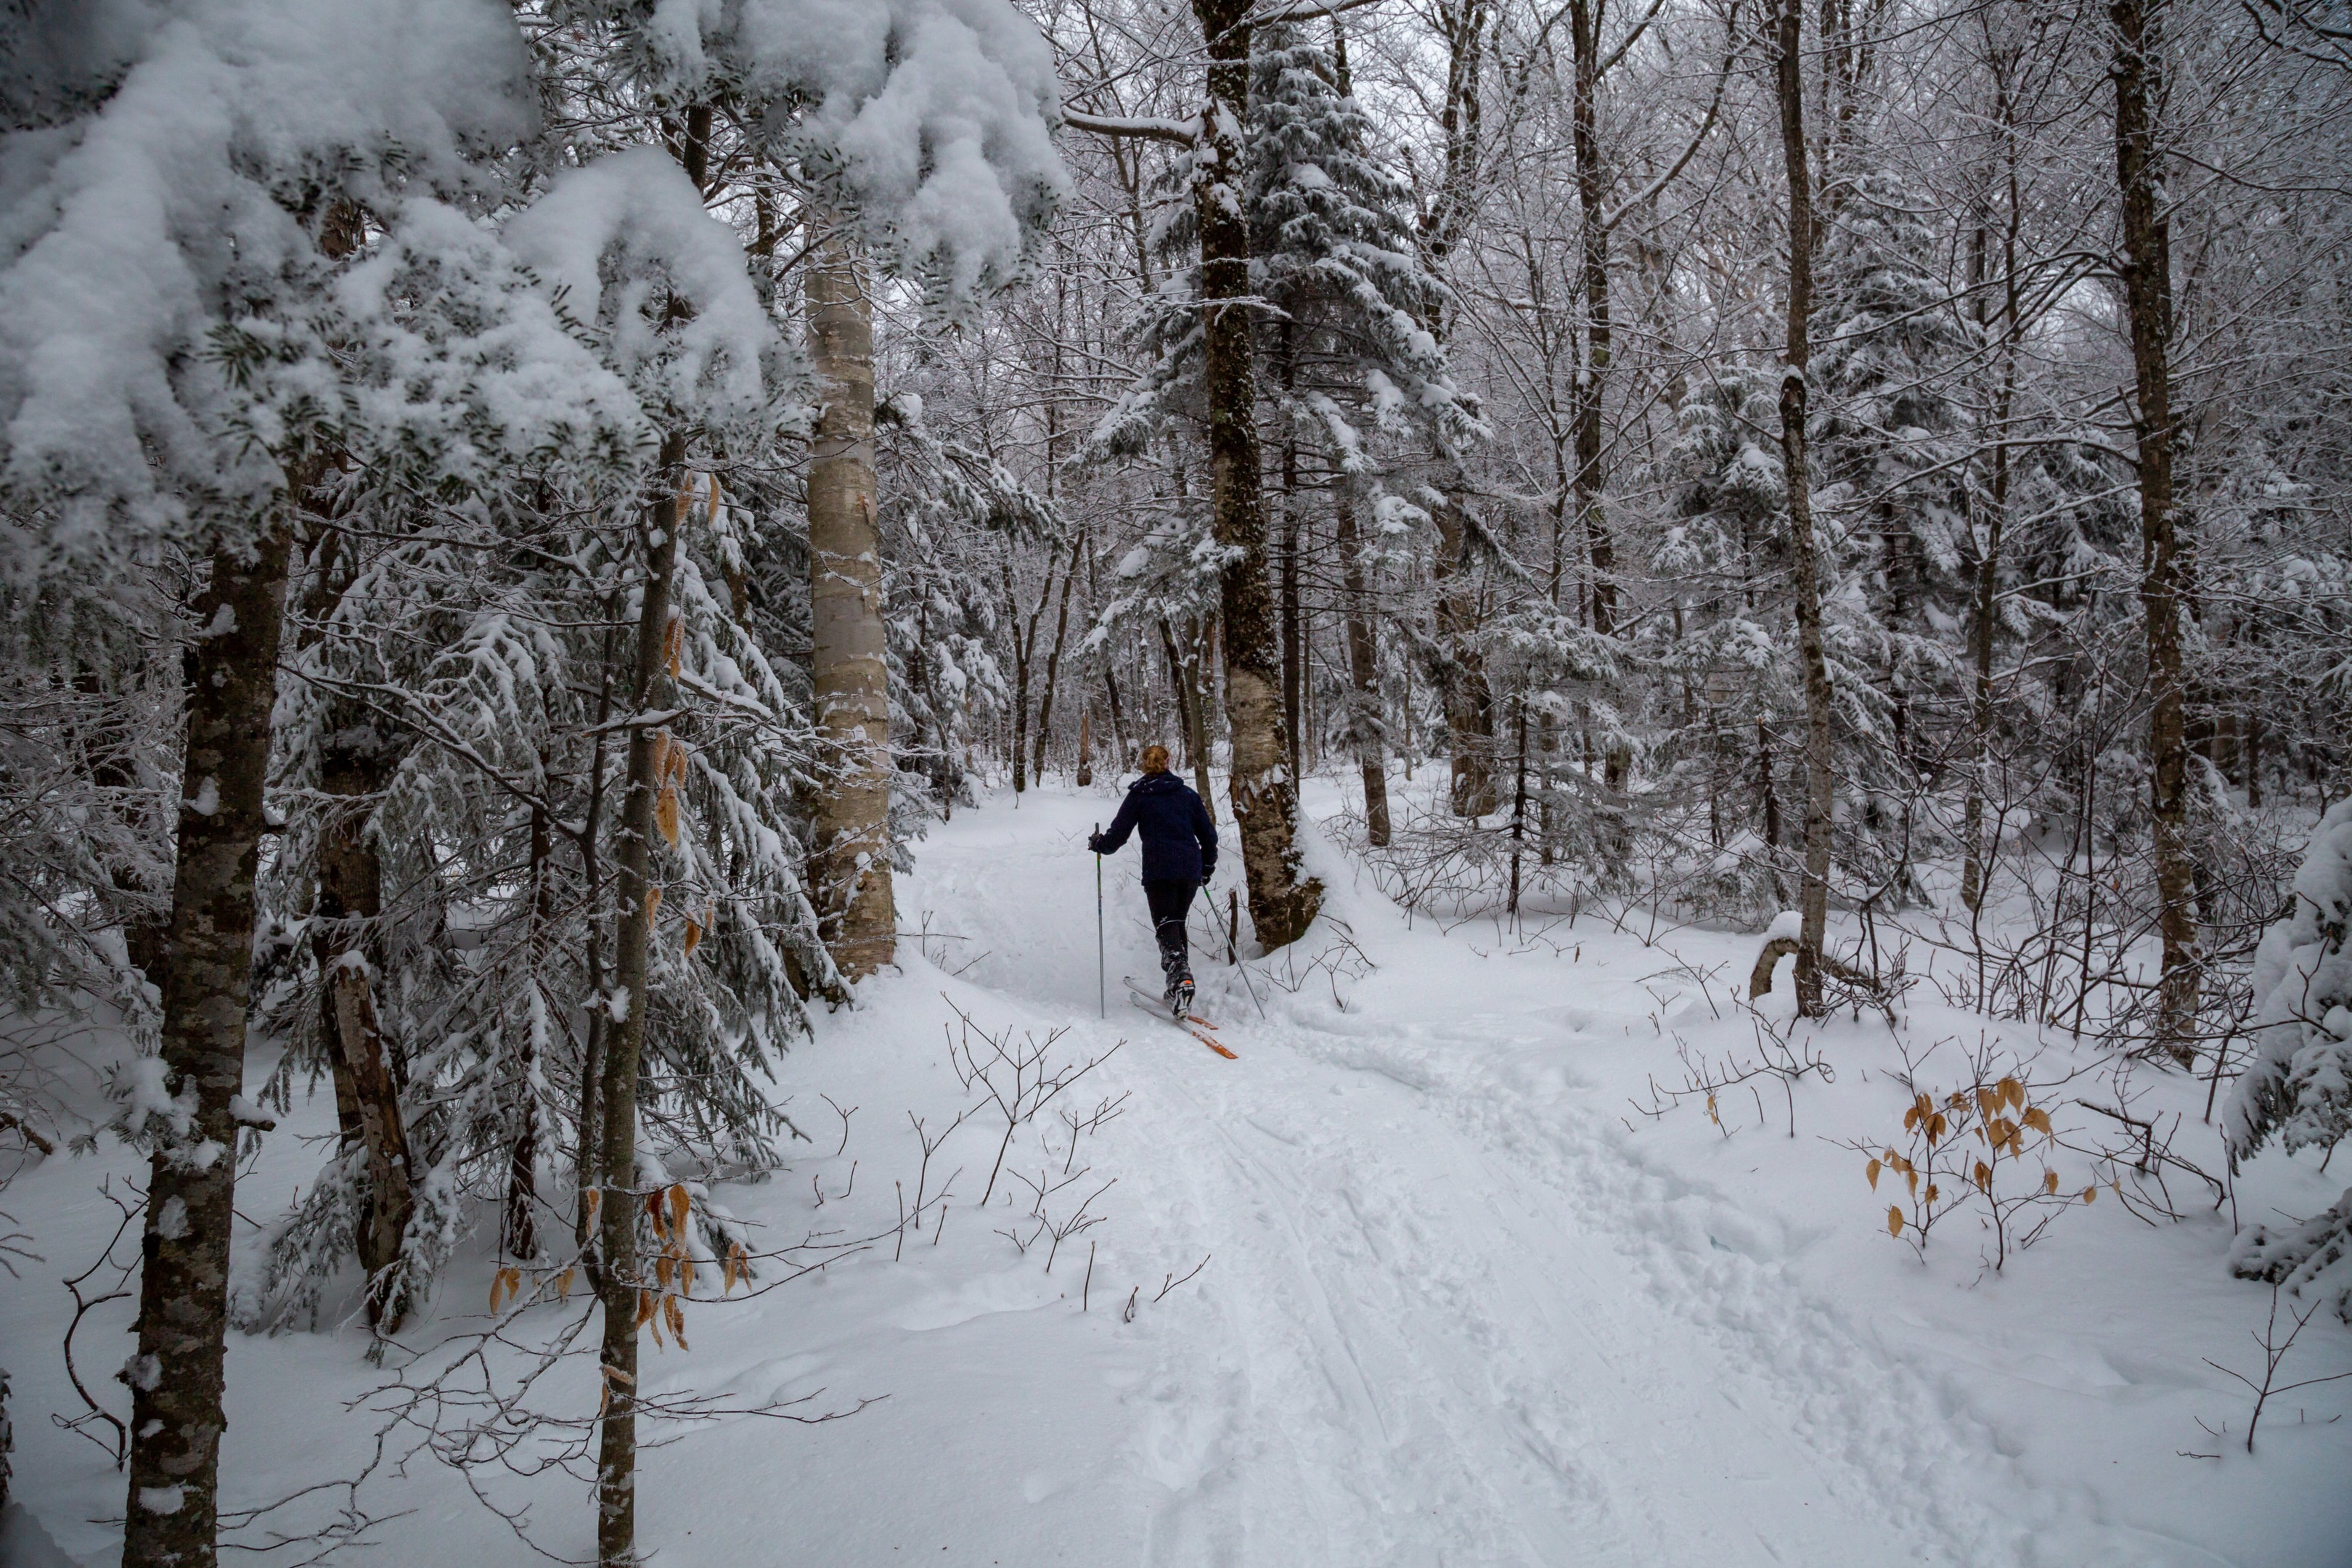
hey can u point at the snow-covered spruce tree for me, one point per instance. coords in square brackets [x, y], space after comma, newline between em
[916, 134]
[1887, 440]
[945, 506]
[2298, 1087]
[1221, 363]
[1726, 551]
[447, 758]
[90, 702]
[175, 385]
[1342, 350]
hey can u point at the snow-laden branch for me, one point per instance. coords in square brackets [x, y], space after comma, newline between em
[1183, 132]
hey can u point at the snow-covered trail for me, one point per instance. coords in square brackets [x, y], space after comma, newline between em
[1460, 1304]
[1436, 1335]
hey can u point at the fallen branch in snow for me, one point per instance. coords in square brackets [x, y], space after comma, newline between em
[1173, 1280]
[2150, 1160]
[1858, 986]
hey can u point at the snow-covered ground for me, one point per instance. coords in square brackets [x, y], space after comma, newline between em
[1462, 1302]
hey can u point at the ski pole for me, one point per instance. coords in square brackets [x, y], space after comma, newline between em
[1102, 985]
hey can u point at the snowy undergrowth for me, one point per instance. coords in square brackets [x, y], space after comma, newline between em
[1463, 1301]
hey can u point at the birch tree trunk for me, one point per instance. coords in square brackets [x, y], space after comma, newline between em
[1282, 898]
[2147, 291]
[617, 1281]
[853, 700]
[231, 674]
[1814, 890]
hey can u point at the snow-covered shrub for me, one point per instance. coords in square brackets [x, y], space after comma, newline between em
[2299, 1085]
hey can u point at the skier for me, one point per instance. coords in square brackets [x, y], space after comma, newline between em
[1180, 852]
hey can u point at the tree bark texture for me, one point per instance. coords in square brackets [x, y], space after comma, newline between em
[1363, 670]
[231, 670]
[633, 885]
[1975, 870]
[1804, 565]
[355, 766]
[1584, 24]
[1469, 704]
[854, 899]
[1054, 660]
[2147, 293]
[1282, 898]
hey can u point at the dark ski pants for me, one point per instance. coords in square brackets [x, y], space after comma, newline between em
[1171, 902]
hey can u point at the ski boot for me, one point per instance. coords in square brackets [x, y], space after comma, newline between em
[1180, 999]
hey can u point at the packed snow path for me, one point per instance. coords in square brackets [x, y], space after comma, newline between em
[1461, 1304]
[1450, 1315]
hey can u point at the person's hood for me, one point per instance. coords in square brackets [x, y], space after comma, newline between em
[1155, 783]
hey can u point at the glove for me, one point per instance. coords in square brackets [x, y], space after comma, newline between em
[1095, 843]
[1208, 872]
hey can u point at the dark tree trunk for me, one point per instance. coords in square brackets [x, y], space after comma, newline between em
[1813, 896]
[2148, 292]
[1469, 705]
[1117, 723]
[1024, 647]
[355, 766]
[1978, 856]
[621, 1287]
[1591, 182]
[1283, 897]
[1053, 661]
[1363, 671]
[518, 1233]
[1294, 643]
[176, 1377]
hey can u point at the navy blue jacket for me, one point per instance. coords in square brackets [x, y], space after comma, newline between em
[1180, 842]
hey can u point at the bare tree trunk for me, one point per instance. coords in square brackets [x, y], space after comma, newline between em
[1117, 723]
[355, 766]
[1468, 702]
[518, 1231]
[1979, 855]
[176, 1376]
[1200, 682]
[2147, 291]
[1813, 897]
[852, 890]
[1283, 897]
[1024, 647]
[1363, 670]
[1054, 660]
[588, 1178]
[1293, 644]
[633, 884]
[1469, 705]
[1585, 29]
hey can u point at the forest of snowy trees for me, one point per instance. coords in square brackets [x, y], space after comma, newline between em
[516, 518]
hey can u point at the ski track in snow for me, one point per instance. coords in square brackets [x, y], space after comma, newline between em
[1457, 1308]
[1453, 1319]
